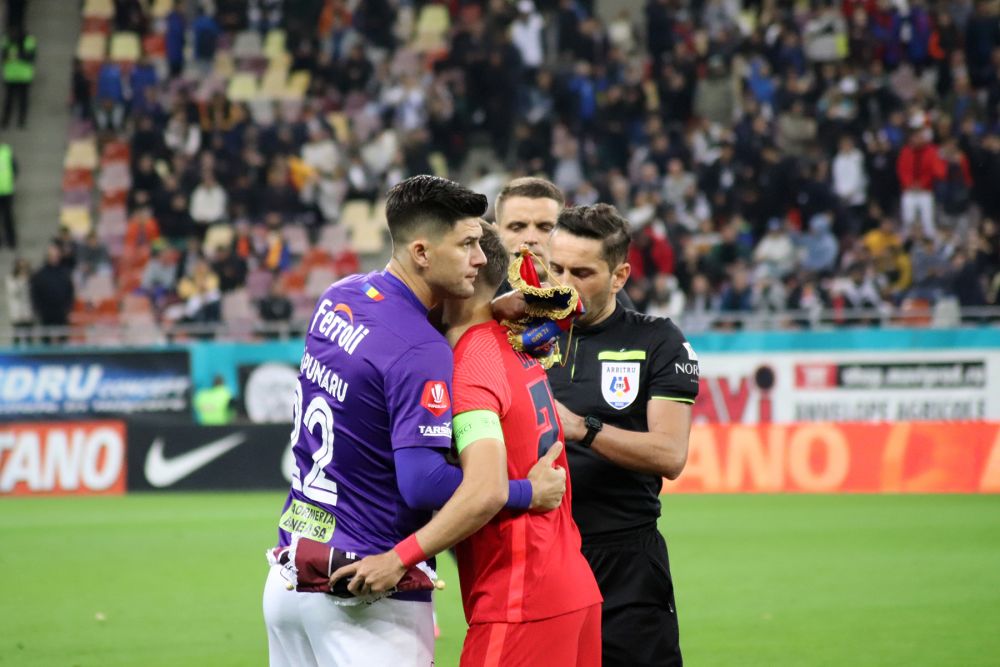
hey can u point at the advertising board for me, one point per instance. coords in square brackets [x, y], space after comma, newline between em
[63, 458]
[87, 383]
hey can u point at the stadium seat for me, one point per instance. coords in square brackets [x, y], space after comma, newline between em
[242, 87]
[96, 24]
[367, 239]
[259, 283]
[318, 280]
[333, 239]
[298, 84]
[97, 288]
[125, 47]
[224, 66]
[316, 257]
[302, 306]
[378, 214]
[77, 198]
[237, 304]
[347, 262]
[75, 179]
[80, 129]
[652, 96]
[220, 235]
[914, 312]
[155, 46]
[101, 9]
[141, 329]
[136, 304]
[115, 151]
[341, 129]
[274, 44]
[262, 111]
[92, 46]
[432, 26]
[293, 282]
[77, 219]
[272, 84]
[115, 176]
[947, 313]
[297, 239]
[439, 165]
[161, 8]
[81, 154]
[248, 46]
[355, 213]
[114, 199]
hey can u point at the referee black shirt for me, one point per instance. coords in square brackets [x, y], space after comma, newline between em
[611, 371]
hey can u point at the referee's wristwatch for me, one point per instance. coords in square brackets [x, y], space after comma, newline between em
[594, 426]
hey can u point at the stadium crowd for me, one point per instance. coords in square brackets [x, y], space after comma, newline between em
[772, 157]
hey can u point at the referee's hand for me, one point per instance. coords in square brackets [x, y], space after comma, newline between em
[548, 480]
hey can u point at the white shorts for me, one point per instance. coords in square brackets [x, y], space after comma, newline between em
[311, 630]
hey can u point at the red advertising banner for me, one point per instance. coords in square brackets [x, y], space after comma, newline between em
[62, 458]
[912, 457]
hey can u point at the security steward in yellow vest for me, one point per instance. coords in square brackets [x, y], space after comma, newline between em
[8, 172]
[213, 405]
[18, 53]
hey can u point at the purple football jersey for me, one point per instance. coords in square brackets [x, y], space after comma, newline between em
[375, 377]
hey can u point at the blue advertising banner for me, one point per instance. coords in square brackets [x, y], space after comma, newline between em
[73, 384]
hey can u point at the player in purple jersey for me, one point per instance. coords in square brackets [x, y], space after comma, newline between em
[372, 425]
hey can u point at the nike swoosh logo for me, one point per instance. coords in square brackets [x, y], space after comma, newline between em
[161, 472]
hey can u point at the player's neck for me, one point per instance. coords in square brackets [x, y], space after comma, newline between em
[412, 279]
[462, 314]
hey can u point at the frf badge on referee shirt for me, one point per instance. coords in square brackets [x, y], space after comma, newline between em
[619, 383]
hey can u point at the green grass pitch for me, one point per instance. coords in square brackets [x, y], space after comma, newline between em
[176, 579]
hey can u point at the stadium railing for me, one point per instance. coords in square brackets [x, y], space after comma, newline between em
[104, 335]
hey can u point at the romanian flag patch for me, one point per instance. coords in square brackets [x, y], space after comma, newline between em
[372, 293]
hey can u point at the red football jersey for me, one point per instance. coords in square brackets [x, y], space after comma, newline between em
[521, 566]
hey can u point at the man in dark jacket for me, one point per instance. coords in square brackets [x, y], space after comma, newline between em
[52, 292]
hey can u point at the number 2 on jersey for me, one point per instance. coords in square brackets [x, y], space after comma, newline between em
[316, 486]
[545, 416]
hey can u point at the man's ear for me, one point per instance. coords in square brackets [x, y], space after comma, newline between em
[419, 250]
[620, 276]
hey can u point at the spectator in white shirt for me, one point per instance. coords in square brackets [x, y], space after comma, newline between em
[850, 181]
[526, 34]
[208, 201]
[182, 136]
[775, 255]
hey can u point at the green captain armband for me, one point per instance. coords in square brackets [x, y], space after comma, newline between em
[476, 425]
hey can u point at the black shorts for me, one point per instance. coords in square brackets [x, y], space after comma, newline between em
[639, 617]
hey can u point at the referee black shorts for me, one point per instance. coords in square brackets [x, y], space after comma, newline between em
[639, 617]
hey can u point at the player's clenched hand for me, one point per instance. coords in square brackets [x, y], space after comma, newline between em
[548, 481]
[372, 574]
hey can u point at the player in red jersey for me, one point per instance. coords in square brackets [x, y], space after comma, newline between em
[529, 595]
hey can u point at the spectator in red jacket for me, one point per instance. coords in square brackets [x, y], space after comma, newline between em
[650, 255]
[919, 167]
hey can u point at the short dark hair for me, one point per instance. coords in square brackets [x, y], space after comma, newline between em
[497, 258]
[601, 222]
[423, 200]
[530, 187]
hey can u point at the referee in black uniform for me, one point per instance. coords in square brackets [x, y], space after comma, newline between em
[624, 389]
